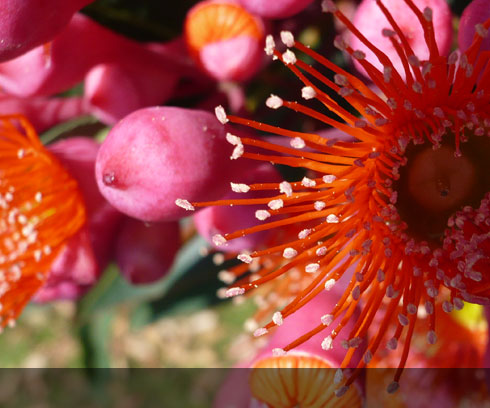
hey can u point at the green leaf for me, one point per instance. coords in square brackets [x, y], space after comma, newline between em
[65, 127]
[94, 337]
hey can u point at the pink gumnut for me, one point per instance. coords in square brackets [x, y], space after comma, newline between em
[115, 90]
[369, 12]
[81, 45]
[155, 156]
[148, 76]
[145, 252]
[226, 219]
[477, 12]
[275, 9]
[42, 112]
[224, 39]
[25, 24]
[60, 65]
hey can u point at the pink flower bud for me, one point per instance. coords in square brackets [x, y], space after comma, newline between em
[224, 219]
[27, 24]
[369, 12]
[275, 9]
[63, 63]
[477, 12]
[158, 155]
[115, 90]
[225, 40]
[43, 113]
[81, 45]
[145, 252]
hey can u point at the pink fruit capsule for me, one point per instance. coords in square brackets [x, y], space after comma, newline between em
[27, 24]
[275, 9]
[115, 90]
[158, 155]
[81, 45]
[477, 12]
[369, 12]
[224, 39]
[145, 252]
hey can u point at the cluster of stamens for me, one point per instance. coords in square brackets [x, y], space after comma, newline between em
[343, 218]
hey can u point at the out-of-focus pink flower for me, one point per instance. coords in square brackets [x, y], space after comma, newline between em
[372, 23]
[25, 24]
[225, 40]
[87, 252]
[81, 45]
[275, 9]
[477, 12]
[42, 112]
[158, 155]
[145, 252]
[218, 220]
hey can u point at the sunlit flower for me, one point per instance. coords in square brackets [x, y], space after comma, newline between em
[41, 207]
[403, 212]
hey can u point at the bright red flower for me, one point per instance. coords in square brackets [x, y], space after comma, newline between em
[406, 205]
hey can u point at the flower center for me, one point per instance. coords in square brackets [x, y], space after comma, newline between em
[436, 183]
